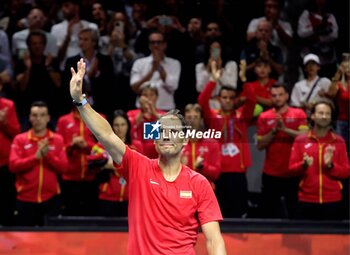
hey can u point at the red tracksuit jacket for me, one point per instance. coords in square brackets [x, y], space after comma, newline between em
[37, 179]
[7, 131]
[235, 152]
[319, 184]
[68, 126]
[209, 150]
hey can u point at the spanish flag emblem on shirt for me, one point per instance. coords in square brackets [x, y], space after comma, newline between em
[185, 194]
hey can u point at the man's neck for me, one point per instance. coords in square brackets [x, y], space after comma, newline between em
[320, 131]
[89, 54]
[311, 77]
[281, 109]
[170, 167]
[39, 133]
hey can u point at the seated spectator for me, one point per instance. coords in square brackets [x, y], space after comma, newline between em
[261, 87]
[9, 128]
[319, 31]
[146, 113]
[320, 158]
[67, 31]
[100, 17]
[36, 21]
[117, 46]
[37, 157]
[113, 194]
[6, 69]
[228, 68]
[37, 78]
[306, 92]
[201, 154]
[282, 31]
[261, 46]
[79, 191]
[99, 72]
[162, 71]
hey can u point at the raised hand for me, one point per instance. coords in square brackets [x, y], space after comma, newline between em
[215, 71]
[76, 82]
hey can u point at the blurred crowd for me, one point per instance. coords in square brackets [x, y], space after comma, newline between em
[282, 72]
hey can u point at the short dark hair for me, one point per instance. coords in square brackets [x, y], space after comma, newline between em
[40, 104]
[264, 61]
[176, 113]
[278, 85]
[226, 87]
[36, 32]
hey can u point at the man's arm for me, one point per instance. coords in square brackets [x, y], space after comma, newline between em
[214, 241]
[95, 122]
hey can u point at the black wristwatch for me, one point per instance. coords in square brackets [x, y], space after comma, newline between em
[82, 102]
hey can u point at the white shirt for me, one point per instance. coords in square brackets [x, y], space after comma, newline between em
[228, 77]
[166, 89]
[60, 32]
[19, 43]
[302, 89]
[275, 40]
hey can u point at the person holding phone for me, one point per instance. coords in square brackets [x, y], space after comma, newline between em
[228, 75]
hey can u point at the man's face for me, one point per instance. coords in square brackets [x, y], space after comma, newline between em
[69, 10]
[36, 19]
[156, 43]
[279, 97]
[264, 31]
[322, 117]
[213, 31]
[98, 12]
[194, 25]
[227, 98]
[36, 45]
[312, 68]
[169, 145]
[86, 42]
[39, 117]
[193, 119]
[272, 9]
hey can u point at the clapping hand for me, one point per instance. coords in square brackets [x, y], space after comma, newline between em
[328, 156]
[308, 160]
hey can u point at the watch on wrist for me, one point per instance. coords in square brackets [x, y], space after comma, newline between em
[82, 102]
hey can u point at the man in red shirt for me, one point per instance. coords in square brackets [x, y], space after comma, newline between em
[231, 187]
[146, 113]
[320, 157]
[79, 191]
[167, 201]
[37, 157]
[277, 129]
[9, 127]
[202, 155]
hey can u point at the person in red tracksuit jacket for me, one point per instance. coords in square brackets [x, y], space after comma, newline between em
[320, 157]
[202, 155]
[37, 157]
[79, 191]
[146, 113]
[113, 192]
[231, 187]
[9, 128]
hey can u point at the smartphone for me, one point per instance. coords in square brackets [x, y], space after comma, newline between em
[165, 21]
[215, 53]
[119, 25]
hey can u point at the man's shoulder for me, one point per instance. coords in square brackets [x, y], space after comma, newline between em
[6, 102]
[22, 34]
